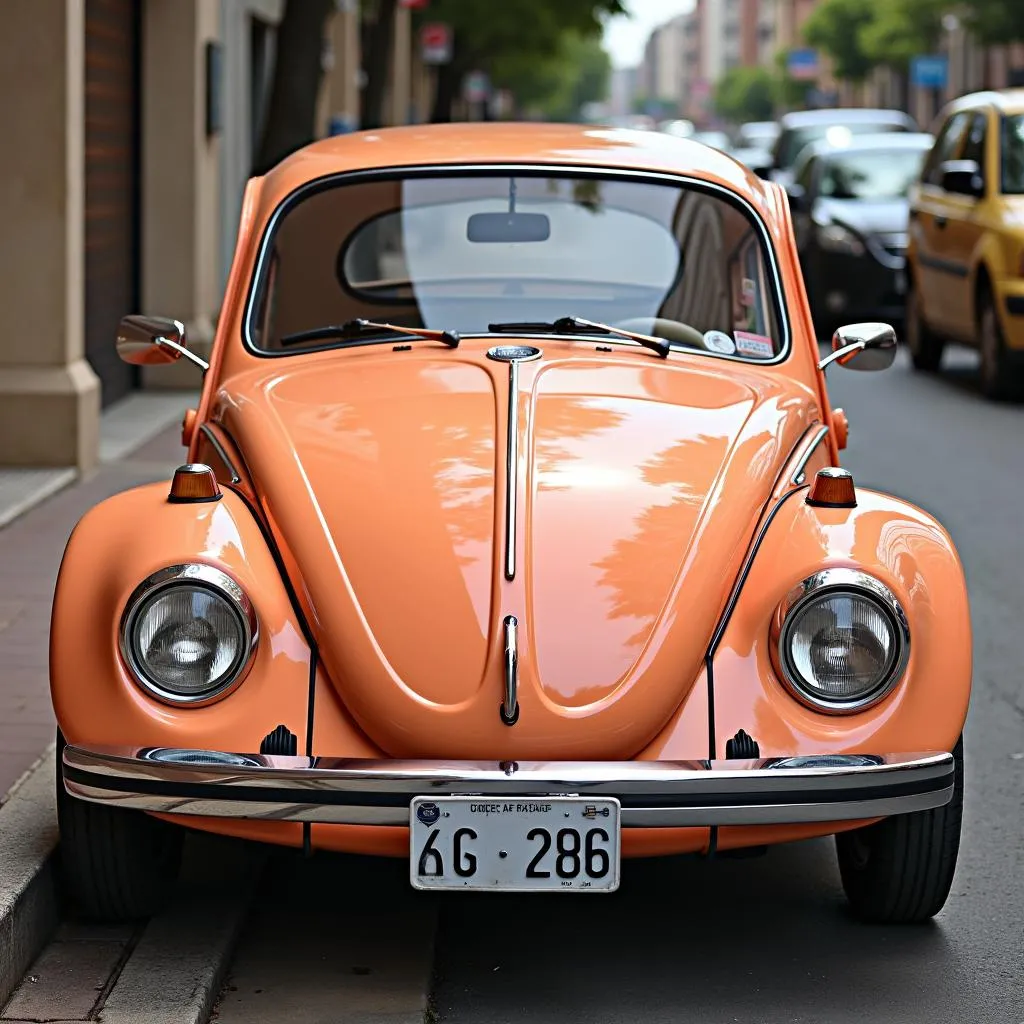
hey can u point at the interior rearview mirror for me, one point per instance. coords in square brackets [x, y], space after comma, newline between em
[962, 177]
[153, 341]
[862, 347]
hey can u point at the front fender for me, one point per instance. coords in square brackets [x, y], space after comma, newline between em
[908, 551]
[115, 546]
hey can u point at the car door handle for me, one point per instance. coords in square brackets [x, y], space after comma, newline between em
[941, 222]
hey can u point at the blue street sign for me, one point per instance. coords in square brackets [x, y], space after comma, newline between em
[802, 65]
[930, 71]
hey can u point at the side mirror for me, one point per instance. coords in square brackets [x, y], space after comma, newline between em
[797, 198]
[962, 177]
[862, 347]
[153, 341]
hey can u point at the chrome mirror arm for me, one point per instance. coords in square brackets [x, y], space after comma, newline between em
[182, 351]
[840, 353]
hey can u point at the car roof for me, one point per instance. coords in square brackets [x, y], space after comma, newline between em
[482, 143]
[882, 141]
[1006, 101]
[844, 115]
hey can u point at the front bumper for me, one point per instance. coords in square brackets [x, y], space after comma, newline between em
[653, 794]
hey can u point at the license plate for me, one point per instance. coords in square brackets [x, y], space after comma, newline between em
[565, 844]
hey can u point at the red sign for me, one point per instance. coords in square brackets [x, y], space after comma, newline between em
[436, 43]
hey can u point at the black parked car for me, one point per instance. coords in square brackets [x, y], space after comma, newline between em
[850, 214]
[802, 127]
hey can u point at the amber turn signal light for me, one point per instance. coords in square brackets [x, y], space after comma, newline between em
[193, 482]
[832, 488]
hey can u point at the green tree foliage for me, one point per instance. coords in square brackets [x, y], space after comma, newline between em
[995, 21]
[837, 28]
[902, 29]
[504, 39]
[746, 94]
[559, 88]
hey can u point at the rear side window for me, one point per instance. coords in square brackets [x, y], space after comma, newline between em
[974, 147]
[1012, 155]
[946, 147]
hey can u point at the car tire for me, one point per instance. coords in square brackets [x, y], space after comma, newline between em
[1001, 375]
[115, 864]
[899, 871]
[924, 346]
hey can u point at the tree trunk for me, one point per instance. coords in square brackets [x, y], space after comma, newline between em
[377, 58]
[448, 78]
[291, 115]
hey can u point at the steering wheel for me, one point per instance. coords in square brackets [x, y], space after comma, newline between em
[670, 330]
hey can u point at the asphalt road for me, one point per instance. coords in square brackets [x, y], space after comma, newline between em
[767, 940]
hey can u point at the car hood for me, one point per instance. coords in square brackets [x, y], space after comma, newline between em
[883, 217]
[637, 486]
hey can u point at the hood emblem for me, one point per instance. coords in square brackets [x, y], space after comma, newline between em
[513, 353]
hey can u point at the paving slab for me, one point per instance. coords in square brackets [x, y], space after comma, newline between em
[66, 980]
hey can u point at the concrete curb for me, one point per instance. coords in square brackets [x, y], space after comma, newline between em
[29, 905]
[175, 972]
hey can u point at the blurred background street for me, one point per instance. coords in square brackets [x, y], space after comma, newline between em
[130, 129]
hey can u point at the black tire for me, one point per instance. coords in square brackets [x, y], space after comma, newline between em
[1000, 372]
[115, 864]
[899, 871]
[924, 345]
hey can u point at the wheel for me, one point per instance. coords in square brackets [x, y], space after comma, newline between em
[924, 346]
[1002, 375]
[899, 870]
[115, 864]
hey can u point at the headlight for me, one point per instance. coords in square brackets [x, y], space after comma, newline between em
[841, 640]
[188, 634]
[836, 238]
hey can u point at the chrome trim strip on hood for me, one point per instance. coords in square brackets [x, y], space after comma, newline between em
[658, 794]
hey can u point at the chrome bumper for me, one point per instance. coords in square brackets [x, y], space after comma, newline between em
[653, 794]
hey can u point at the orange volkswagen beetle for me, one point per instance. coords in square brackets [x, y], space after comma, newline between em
[512, 542]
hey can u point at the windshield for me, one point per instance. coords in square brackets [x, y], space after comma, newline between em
[872, 175]
[460, 252]
[793, 140]
[1013, 155]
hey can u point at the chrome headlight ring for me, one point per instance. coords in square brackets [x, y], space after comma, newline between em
[196, 577]
[814, 589]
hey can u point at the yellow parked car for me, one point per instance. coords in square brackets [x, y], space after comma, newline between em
[965, 255]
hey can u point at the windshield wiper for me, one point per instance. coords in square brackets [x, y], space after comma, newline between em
[354, 329]
[577, 325]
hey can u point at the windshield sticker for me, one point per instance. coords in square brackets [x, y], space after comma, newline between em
[719, 341]
[754, 345]
[749, 292]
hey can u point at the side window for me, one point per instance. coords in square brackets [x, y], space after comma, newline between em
[946, 147]
[974, 147]
[805, 174]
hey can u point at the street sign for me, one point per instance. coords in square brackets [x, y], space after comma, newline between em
[803, 65]
[476, 87]
[930, 71]
[436, 43]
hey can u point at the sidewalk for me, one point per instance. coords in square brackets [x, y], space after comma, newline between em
[31, 547]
